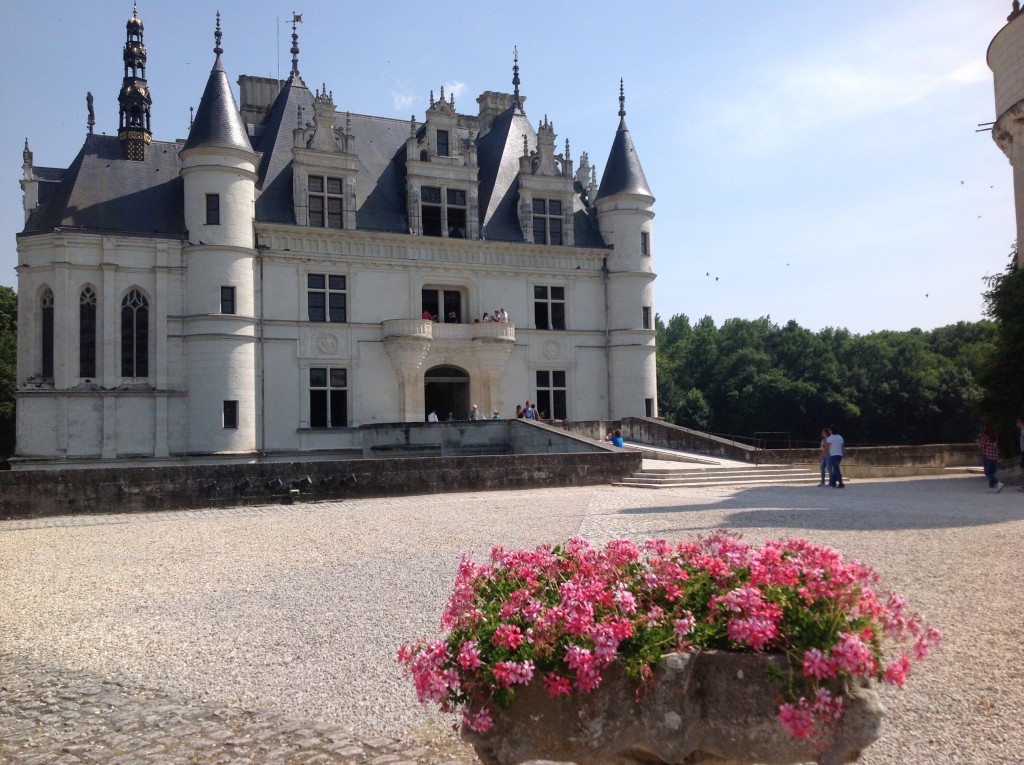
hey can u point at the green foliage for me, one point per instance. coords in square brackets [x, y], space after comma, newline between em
[754, 376]
[8, 368]
[1001, 374]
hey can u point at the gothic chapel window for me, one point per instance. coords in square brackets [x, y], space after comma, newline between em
[46, 305]
[134, 335]
[87, 333]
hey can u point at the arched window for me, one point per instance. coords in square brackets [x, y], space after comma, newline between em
[46, 305]
[87, 333]
[134, 335]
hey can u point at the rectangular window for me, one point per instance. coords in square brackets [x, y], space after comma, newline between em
[443, 214]
[646, 317]
[551, 396]
[326, 297]
[325, 202]
[549, 307]
[645, 243]
[442, 143]
[430, 210]
[547, 221]
[456, 199]
[328, 398]
[443, 305]
[227, 299]
[648, 407]
[230, 414]
[213, 209]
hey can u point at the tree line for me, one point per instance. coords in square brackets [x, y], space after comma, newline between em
[759, 382]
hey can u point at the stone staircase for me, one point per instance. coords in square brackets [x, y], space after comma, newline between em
[745, 475]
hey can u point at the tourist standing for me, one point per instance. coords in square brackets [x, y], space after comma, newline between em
[432, 417]
[474, 413]
[835, 456]
[615, 438]
[823, 454]
[520, 414]
[990, 456]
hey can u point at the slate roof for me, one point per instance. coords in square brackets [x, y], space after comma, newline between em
[498, 154]
[217, 122]
[103, 191]
[379, 146]
[622, 172]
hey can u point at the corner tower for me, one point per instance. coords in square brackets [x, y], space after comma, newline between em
[624, 214]
[219, 175]
[133, 128]
[1006, 60]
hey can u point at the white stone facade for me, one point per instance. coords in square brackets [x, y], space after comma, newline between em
[264, 327]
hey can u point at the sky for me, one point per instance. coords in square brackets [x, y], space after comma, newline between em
[811, 161]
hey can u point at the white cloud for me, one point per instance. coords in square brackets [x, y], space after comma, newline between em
[403, 101]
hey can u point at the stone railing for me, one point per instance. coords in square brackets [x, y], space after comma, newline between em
[428, 330]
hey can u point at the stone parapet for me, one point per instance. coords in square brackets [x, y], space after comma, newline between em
[33, 494]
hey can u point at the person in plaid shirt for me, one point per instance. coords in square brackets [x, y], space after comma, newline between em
[990, 456]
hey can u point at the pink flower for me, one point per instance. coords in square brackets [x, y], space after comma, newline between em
[854, 656]
[797, 720]
[685, 625]
[469, 655]
[508, 635]
[896, 673]
[480, 721]
[818, 665]
[509, 673]
[556, 685]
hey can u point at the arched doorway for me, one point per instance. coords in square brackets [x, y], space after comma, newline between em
[446, 391]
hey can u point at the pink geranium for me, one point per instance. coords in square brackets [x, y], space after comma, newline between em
[566, 614]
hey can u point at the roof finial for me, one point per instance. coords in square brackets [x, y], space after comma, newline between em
[217, 37]
[191, 117]
[296, 19]
[622, 99]
[91, 121]
[515, 78]
[135, 10]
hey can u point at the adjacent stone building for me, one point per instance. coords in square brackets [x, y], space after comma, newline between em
[1006, 60]
[291, 271]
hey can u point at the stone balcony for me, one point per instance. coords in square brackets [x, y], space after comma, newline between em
[421, 329]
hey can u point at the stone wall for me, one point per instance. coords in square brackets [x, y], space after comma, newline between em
[32, 494]
[859, 461]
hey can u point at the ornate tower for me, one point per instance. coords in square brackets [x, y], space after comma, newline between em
[219, 174]
[624, 213]
[134, 99]
[1007, 64]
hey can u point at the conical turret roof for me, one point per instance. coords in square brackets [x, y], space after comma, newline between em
[623, 173]
[217, 123]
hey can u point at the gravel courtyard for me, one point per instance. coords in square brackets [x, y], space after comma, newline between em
[297, 611]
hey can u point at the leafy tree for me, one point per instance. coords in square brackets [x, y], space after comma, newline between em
[1002, 373]
[8, 369]
[751, 376]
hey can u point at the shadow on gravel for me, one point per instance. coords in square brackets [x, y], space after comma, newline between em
[939, 503]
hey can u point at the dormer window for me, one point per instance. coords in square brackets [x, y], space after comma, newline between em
[442, 143]
[325, 202]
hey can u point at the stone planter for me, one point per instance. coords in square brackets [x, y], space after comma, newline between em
[709, 707]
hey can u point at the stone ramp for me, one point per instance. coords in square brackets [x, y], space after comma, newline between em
[669, 470]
